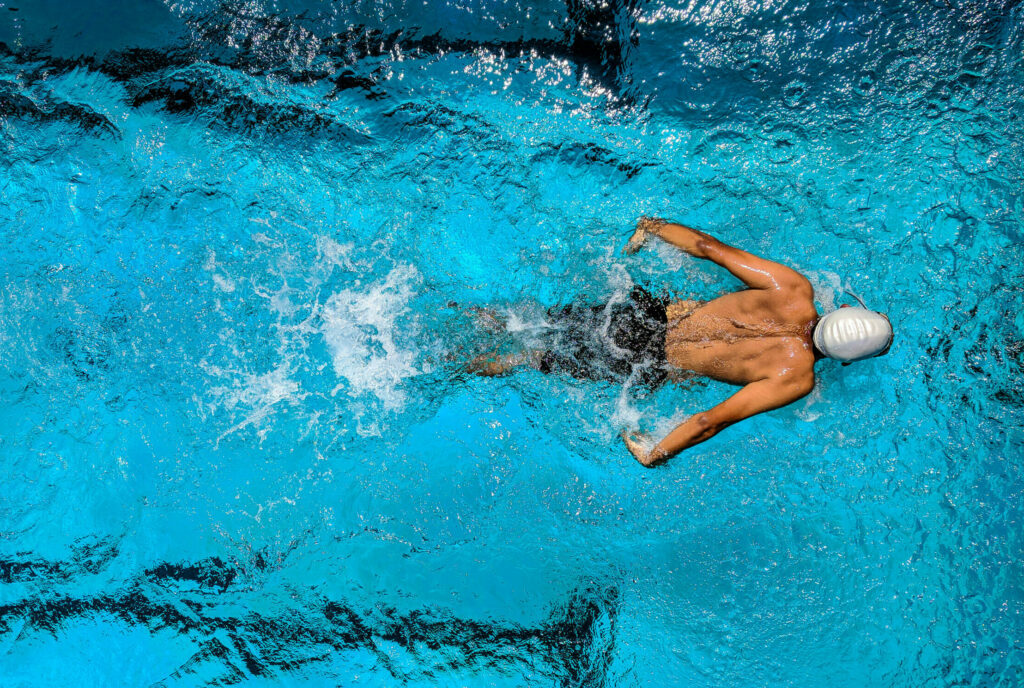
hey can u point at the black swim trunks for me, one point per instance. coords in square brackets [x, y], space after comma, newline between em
[612, 342]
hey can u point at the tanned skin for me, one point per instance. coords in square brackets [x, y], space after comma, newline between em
[758, 338]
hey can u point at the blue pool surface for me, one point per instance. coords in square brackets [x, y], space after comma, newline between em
[236, 447]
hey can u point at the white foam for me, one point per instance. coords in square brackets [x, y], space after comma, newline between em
[280, 301]
[626, 415]
[617, 276]
[827, 286]
[330, 253]
[525, 321]
[259, 394]
[360, 329]
[809, 411]
[221, 281]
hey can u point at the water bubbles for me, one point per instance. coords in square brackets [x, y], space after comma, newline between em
[230, 239]
[866, 82]
[793, 94]
[783, 142]
[365, 341]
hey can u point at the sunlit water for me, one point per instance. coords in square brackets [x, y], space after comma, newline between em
[236, 446]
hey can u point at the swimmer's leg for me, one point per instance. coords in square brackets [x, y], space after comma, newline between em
[494, 365]
[486, 318]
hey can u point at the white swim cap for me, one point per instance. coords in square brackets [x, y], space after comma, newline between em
[850, 334]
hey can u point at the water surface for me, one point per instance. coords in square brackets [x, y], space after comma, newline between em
[236, 451]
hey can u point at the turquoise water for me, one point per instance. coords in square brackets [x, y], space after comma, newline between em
[236, 445]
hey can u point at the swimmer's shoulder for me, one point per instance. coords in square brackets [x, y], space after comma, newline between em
[788, 280]
[796, 299]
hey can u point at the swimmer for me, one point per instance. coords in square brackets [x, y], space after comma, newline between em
[765, 338]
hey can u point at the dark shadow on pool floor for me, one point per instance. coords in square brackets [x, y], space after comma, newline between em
[573, 646]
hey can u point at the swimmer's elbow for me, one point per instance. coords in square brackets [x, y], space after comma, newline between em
[706, 246]
[707, 426]
[802, 387]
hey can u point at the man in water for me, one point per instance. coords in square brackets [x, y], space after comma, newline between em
[765, 338]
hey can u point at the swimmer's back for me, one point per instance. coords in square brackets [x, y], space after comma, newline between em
[744, 336]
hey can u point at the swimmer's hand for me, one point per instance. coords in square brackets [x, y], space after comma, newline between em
[645, 227]
[642, 448]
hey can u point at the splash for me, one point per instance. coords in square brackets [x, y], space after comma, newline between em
[366, 337]
[827, 287]
[259, 393]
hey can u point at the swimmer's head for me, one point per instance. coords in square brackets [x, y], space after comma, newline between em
[853, 334]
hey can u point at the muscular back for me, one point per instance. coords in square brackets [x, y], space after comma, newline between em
[745, 336]
[759, 338]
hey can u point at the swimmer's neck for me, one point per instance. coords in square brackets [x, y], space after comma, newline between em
[818, 355]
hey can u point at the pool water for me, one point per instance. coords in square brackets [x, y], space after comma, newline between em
[239, 241]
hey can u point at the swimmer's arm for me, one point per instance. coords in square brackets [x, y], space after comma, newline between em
[756, 397]
[754, 271]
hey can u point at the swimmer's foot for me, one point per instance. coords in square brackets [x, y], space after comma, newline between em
[489, 365]
[495, 365]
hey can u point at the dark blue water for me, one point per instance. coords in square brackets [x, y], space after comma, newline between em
[236, 445]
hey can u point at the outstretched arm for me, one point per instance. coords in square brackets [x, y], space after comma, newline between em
[754, 271]
[756, 397]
